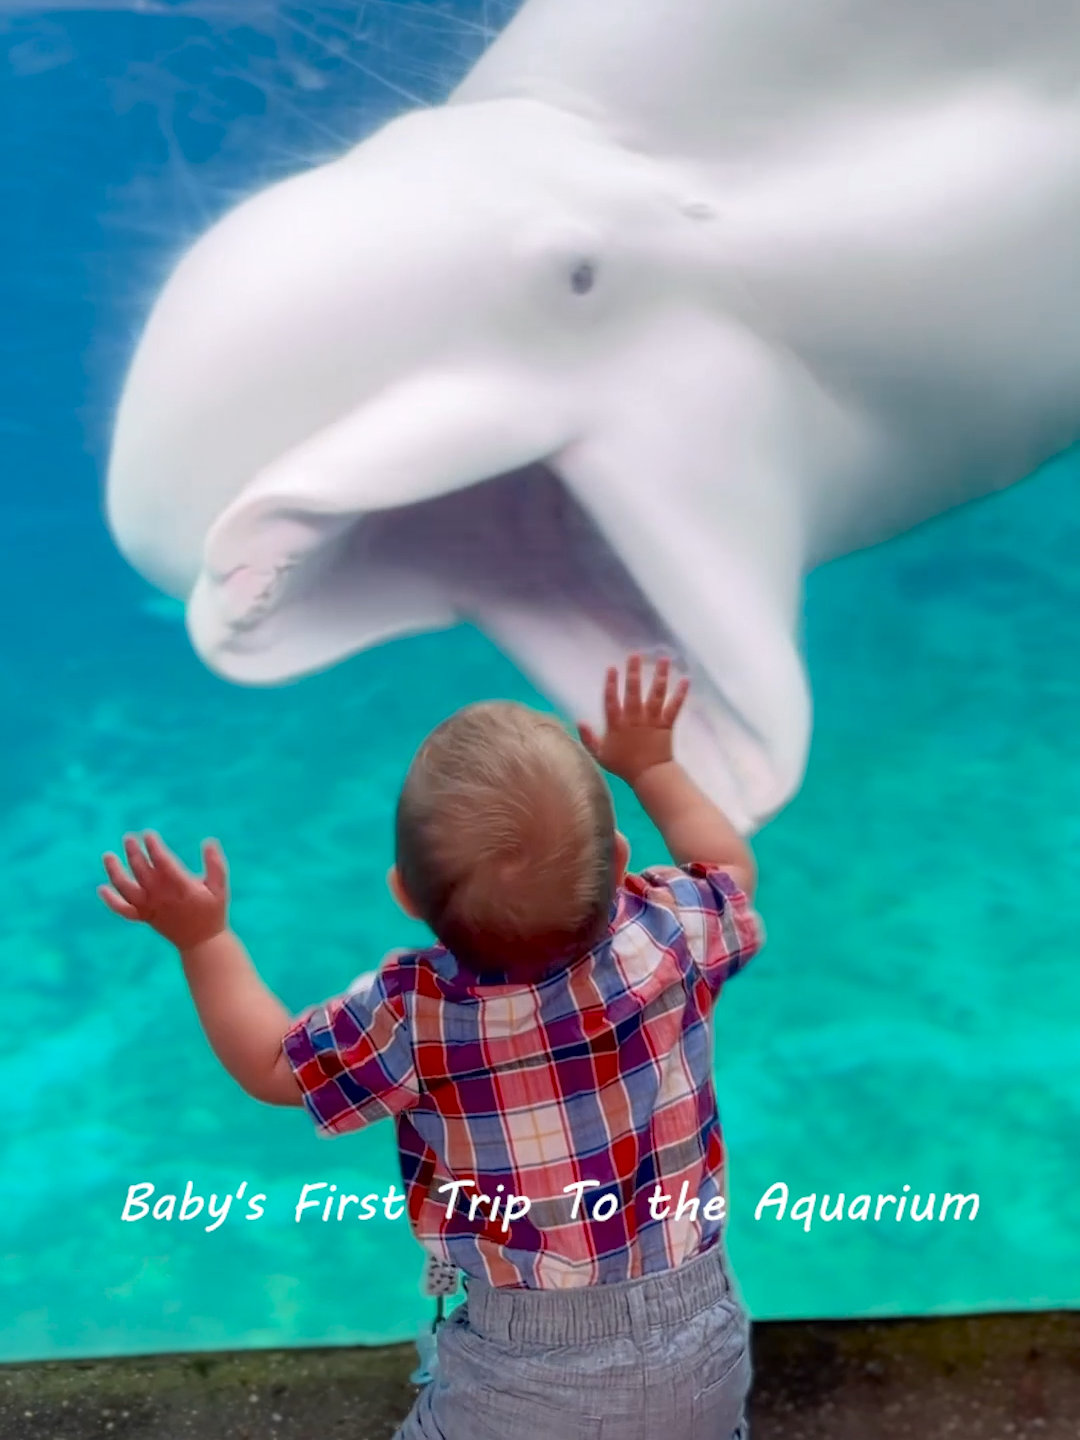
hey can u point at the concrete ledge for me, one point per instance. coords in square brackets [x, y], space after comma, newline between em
[984, 1377]
[987, 1377]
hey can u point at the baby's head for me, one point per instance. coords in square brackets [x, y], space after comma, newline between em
[506, 840]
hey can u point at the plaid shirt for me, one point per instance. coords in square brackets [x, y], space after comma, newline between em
[599, 1072]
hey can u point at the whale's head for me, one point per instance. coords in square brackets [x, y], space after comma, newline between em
[370, 401]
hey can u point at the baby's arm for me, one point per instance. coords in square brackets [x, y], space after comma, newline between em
[637, 747]
[692, 826]
[243, 1021]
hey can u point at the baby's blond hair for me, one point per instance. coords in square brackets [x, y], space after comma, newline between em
[506, 839]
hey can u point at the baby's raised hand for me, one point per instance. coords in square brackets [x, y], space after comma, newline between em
[161, 892]
[638, 734]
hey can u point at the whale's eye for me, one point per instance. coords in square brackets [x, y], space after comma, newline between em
[583, 277]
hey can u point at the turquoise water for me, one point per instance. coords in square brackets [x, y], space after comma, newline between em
[913, 1020]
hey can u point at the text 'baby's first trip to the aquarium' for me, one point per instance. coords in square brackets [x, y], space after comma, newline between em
[321, 1201]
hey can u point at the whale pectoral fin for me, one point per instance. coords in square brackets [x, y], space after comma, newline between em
[293, 575]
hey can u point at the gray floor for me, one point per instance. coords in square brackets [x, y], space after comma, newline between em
[993, 1377]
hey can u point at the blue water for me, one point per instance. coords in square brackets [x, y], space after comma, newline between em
[913, 1021]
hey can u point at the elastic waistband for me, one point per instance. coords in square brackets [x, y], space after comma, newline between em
[591, 1312]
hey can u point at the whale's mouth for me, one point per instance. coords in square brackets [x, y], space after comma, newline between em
[516, 552]
[519, 543]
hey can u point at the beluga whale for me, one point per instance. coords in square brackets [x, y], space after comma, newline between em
[669, 303]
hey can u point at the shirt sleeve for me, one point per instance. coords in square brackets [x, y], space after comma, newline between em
[353, 1056]
[723, 931]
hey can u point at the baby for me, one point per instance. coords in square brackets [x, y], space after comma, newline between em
[548, 1064]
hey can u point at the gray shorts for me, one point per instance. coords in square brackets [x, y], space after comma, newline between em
[666, 1357]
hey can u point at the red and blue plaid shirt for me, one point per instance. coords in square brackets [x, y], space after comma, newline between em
[596, 1077]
